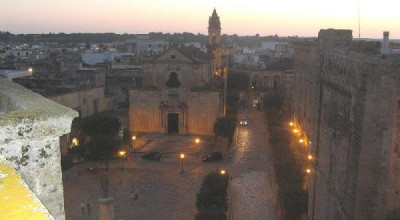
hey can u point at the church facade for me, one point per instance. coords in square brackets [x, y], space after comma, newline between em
[178, 95]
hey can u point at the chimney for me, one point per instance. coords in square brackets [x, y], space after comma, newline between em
[385, 44]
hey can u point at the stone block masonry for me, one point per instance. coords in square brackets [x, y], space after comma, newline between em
[347, 95]
[30, 127]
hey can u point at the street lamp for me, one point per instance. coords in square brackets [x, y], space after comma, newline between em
[291, 124]
[222, 172]
[308, 170]
[122, 154]
[30, 70]
[182, 157]
[75, 141]
[310, 157]
[133, 142]
[197, 140]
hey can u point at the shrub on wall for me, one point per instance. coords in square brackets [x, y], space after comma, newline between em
[212, 199]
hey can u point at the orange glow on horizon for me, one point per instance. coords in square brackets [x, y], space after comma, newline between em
[302, 18]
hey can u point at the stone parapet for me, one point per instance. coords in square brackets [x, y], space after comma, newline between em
[30, 127]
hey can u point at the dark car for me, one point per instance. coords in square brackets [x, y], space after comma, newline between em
[214, 156]
[151, 156]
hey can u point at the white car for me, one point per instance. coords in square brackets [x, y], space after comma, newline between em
[243, 121]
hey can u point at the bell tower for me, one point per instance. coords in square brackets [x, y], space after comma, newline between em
[214, 42]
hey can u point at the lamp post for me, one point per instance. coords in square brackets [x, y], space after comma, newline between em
[133, 142]
[122, 154]
[222, 172]
[182, 157]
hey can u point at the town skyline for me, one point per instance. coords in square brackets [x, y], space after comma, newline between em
[287, 18]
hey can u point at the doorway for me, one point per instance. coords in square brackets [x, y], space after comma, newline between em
[173, 123]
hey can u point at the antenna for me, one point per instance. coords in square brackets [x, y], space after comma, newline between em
[359, 20]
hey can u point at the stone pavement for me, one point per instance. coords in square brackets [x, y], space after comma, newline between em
[253, 183]
[164, 193]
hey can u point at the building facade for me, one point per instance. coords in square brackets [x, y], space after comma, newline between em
[176, 97]
[346, 100]
[181, 91]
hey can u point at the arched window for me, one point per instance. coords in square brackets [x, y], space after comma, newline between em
[173, 81]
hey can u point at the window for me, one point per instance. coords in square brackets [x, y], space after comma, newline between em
[95, 106]
[173, 81]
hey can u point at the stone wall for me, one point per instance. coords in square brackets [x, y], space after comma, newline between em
[30, 126]
[350, 119]
[84, 101]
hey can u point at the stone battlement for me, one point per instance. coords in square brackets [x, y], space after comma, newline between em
[30, 127]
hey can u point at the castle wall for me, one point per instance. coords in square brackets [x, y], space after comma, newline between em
[352, 124]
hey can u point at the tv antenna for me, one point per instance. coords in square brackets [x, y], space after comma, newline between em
[359, 20]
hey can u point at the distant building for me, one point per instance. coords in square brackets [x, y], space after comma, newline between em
[91, 58]
[12, 74]
[146, 47]
[388, 48]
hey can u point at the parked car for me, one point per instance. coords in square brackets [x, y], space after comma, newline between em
[214, 156]
[243, 121]
[156, 156]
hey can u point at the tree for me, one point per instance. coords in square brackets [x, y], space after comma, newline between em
[103, 147]
[225, 127]
[79, 152]
[104, 130]
[66, 163]
[101, 125]
[212, 198]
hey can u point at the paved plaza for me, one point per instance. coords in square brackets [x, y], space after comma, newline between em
[164, 193]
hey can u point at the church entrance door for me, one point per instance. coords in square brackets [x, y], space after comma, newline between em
[173, 123]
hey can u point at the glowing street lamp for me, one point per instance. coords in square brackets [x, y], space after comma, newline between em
[75, 141]
[122, 154]
[291, 124]
[30, 70]
[310, 157]
[182, 156]
[197, 140]
[308, 170]
[301, 140]
[296, 131]
[222, 172]
[133, 142]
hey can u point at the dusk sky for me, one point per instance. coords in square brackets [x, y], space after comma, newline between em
[248, 17]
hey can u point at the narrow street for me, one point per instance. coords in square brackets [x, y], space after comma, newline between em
[253, 187]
